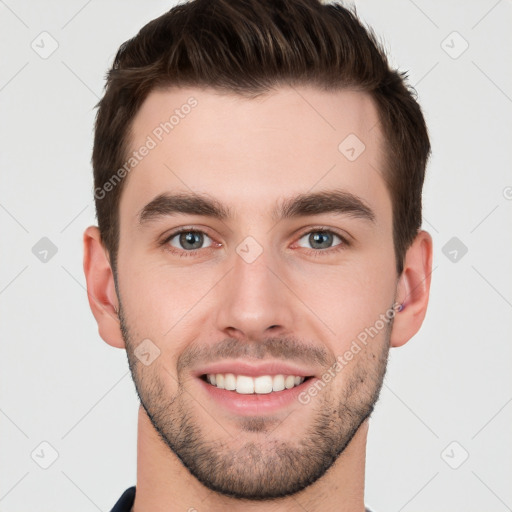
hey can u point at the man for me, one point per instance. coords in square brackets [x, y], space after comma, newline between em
[258, 173]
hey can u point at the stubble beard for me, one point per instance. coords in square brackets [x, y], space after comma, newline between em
[268, 468]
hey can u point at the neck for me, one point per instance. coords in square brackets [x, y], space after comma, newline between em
[164, 484]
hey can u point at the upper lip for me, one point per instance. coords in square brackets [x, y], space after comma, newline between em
[253, 369]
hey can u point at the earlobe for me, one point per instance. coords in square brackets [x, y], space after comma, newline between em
[101, 291]
[413, 290]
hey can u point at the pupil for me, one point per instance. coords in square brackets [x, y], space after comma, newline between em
[191, 238]
[317, 238]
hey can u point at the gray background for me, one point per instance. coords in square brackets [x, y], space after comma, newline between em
[447, 394]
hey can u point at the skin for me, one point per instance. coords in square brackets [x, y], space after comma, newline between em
[249, 154]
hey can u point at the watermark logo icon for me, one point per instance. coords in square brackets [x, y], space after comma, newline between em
[44, 250]
[146, 352]
[455, 455]
[249, 249]
[44, 45]
[351, 147]
[454, 249]
[44, 455]
[454, 45]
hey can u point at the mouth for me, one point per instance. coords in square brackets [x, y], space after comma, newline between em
[258, 385]
[252, 387]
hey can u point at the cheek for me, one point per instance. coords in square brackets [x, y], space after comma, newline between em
[161, 302]
[348, 297]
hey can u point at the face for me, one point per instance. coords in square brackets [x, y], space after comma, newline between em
[267, 269]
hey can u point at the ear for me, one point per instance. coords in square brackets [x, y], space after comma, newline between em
[101, 291]
[413, 290]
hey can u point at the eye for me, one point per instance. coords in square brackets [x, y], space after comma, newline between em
[188, 240]
[323, 239]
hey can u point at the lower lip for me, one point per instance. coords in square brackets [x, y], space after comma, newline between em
[255, 404]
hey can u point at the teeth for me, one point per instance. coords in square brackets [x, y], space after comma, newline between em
[260, 385]
[263, 384]
[244, 384]
[278, 383]
[289, 382]
[230, 381]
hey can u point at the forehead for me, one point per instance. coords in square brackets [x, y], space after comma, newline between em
[251, 153]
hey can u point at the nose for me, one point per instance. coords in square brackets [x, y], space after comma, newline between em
[255, 300]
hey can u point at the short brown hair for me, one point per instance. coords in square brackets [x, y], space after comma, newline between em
[249, 47]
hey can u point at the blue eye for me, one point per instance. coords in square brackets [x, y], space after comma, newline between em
[321, 239]
[188, 240]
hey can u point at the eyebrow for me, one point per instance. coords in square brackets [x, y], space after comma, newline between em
[317, 203]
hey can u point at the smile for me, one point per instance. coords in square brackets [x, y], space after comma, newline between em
[246, 385]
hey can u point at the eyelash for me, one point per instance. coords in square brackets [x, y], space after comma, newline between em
[314, 252]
